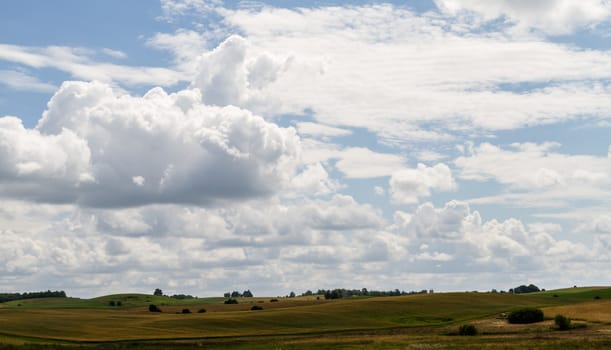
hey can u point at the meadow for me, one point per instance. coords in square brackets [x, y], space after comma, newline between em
[423, 321]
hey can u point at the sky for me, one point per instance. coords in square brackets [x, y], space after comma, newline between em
[205, 146]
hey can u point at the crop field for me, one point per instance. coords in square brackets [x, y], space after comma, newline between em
[411, 321]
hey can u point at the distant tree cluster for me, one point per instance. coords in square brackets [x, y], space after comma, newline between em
[236, 294]
[347, 293]
[4, 297]
[159, 293]
[531, 288]
[182, 296]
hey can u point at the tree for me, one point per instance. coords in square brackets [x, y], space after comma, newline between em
[227, 295]
[292, 295]
[154, 308]
[235, 294]
[531, 288]
[158, 292]
[467, 329]
[247, 294]
[562, 322]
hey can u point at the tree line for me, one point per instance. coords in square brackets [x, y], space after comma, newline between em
[339, 293]
[158, 292]
[4, 297]
[235, 294]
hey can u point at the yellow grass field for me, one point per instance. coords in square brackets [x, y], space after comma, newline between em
[595, 311]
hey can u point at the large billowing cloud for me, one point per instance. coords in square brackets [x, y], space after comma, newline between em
[38, 166]
[98, 148]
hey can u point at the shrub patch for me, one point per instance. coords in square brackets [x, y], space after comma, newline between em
[526, 315]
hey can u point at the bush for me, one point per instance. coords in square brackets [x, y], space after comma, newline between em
[154, 308]
[186, 311]
[231, 301]
[273, 300]
[562, 322]
[526, 315]
[111, 303]
[597, 297]
[256, 307]
[467, 329]
[201, 311]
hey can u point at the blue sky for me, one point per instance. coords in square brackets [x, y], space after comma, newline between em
[204, 146]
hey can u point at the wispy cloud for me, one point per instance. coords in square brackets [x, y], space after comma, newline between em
[19, 80]
[77, 63]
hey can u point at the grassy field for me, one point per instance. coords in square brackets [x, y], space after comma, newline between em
[425, 321]
[127, 300]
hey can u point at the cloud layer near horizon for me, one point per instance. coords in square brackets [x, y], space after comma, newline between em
[268, 246]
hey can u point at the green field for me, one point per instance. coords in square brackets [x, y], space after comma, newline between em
[412, 321]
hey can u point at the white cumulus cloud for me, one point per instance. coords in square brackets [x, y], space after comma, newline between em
[97, 145]
[409, 185]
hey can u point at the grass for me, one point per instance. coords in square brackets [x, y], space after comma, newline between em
[593, 311]
[127, 301]
[573, 295]
[136, 323]
[296, 323]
